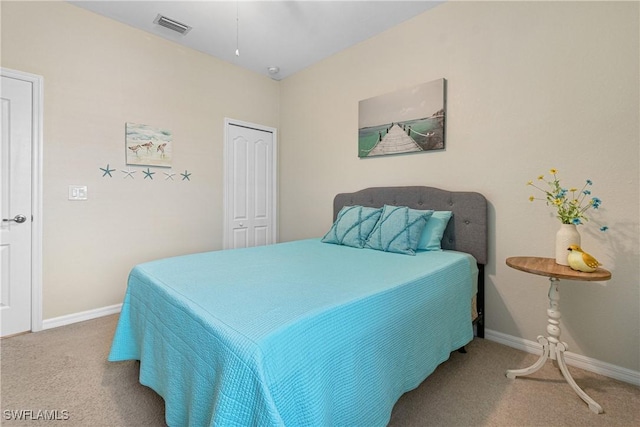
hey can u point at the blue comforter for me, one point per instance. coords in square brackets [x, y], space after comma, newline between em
[294, 334]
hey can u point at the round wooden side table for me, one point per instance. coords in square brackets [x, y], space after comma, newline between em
[552, 347]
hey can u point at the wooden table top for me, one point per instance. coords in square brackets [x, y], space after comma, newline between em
[547, 267]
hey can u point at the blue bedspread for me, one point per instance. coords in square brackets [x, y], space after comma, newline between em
[296, 334]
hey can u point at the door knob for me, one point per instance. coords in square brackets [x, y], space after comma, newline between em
[18, 218]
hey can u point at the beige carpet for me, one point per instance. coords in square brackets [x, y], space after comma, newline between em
[65, 370]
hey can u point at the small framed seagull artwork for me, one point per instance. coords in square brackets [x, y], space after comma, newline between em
[148, 146]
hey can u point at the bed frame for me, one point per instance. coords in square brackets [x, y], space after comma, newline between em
[467, 229]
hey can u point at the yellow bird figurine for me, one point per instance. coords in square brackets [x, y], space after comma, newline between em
[580, 260]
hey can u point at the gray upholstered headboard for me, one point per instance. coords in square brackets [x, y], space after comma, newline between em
[467, 229]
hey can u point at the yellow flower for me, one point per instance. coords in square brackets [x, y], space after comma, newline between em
[540, 177]
[557, 202]
[531, 198]
[573, 189]
[553, 171]
[529, 182]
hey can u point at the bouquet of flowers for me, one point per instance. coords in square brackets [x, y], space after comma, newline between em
[572, 204]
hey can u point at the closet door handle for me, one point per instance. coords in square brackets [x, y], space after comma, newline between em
[18, 218]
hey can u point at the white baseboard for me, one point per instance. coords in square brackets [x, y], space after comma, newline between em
[81, 317]
[573, 359]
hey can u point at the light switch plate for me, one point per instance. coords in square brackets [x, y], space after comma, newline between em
[78, 192]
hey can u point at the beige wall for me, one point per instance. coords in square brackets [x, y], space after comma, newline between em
[99, 74]
[531, 86]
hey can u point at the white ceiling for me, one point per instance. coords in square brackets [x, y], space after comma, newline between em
[290, 35]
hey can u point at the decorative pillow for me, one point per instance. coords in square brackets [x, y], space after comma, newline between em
[432, 234]
[398, 230]
[352, 226]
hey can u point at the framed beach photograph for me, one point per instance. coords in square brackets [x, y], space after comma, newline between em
[148, 146]
[411, 120]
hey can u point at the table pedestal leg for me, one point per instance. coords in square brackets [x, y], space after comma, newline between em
[554, 349]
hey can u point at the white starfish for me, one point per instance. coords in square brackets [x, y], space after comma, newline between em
[127, 173]
[169, 175]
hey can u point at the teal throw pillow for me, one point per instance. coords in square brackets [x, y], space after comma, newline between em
[432, 234]
[352, 226]
[398, 230]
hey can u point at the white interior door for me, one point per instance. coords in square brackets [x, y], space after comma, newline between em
[250, 208]
[15, 205]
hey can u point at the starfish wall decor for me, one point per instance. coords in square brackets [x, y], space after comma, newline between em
[148, 174]
[128, 173]
[107, 171]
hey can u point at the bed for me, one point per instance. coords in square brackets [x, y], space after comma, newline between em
[306, 333]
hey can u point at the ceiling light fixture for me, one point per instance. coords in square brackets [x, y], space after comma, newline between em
[273, 70]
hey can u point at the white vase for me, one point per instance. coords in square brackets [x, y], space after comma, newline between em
[567, 235]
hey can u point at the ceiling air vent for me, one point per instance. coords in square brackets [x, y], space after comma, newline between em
[172, 24]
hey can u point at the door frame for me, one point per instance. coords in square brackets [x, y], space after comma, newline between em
[226, 162]
[37, 120]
